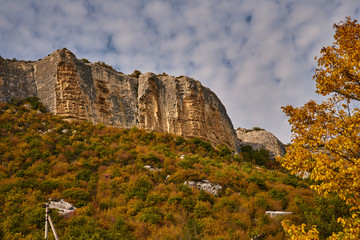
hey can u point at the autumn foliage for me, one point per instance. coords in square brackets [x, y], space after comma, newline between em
[326, 135]
[101, 170]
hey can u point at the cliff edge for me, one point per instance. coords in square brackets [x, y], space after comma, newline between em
[79, 90]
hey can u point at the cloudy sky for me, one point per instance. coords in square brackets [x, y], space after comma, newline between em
[256, 55]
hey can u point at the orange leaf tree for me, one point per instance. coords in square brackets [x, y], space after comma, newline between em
[326, 136]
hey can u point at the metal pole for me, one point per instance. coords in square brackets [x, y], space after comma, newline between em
[53, 228]
[46, 221]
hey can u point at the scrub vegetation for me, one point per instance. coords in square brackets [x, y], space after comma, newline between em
[101, 170]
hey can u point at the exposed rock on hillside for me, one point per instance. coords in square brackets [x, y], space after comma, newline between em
[261, 139]
[63, 207]
[77, 90]
[205, 185]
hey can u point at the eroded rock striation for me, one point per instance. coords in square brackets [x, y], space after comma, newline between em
[181, 105]
[259, 139]
[78, 90]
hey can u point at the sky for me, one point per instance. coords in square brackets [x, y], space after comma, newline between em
[256, 55]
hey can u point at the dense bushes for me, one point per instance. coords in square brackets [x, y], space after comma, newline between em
[101, 171]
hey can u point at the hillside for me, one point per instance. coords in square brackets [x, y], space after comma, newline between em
[129, 183]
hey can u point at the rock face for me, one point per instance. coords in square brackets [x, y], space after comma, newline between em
[16, 79]
[184, 107]
[77, 90]
[261, 139]
[82, 91]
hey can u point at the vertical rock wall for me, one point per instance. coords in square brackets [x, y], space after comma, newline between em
[115, 97]
[82, 91]
[16, 79]
[95, 92]
[184, 107]
[70, 99]
[45, 71]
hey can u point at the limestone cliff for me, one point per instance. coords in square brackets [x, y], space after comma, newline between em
[16, 79]
[83, 91]
[261, 139]
[184, 107]
[77, 90]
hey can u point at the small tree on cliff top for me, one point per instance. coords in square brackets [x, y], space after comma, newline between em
[326, 136]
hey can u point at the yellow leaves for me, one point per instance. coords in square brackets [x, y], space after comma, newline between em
[351, 229]
[326, 140]
[299, 232]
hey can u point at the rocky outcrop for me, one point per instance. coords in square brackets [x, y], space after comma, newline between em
[61, 205]
[259, 139]
[205, 185]
[184, 107]
[78, 90]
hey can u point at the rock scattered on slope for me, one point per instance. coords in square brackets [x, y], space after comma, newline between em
[151, 168]
[62, 206]
[205, 185]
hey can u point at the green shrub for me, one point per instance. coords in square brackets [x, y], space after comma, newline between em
[101, 63]
[147, 137]
[151, 159]
[201, 210]
[135, 74]
[49, 185]
[224, 150]
[290, 180]
[175, 200]
[84, 175]
[34, 101]
[122, 230]
[141, 189]
[193, 229]
[84, 227]
[262, 202]
[152, 215]
[85, 60]
[80, 196]
[325, 214]
[179, 140]
[260, 156]
[154, 199]
[106, 204]
[258, 180]
[277, 194]
[201, 143]
[189, 161]
[189, 203]
[205, 197]
[247, 148]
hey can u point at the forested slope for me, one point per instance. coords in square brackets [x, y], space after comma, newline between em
[101, 170]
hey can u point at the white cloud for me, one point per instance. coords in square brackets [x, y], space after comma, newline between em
[255, 55]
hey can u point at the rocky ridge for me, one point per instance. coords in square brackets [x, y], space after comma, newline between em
[260, 138]
[79, 90]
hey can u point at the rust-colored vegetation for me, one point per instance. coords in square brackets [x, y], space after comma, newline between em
[101, 170]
